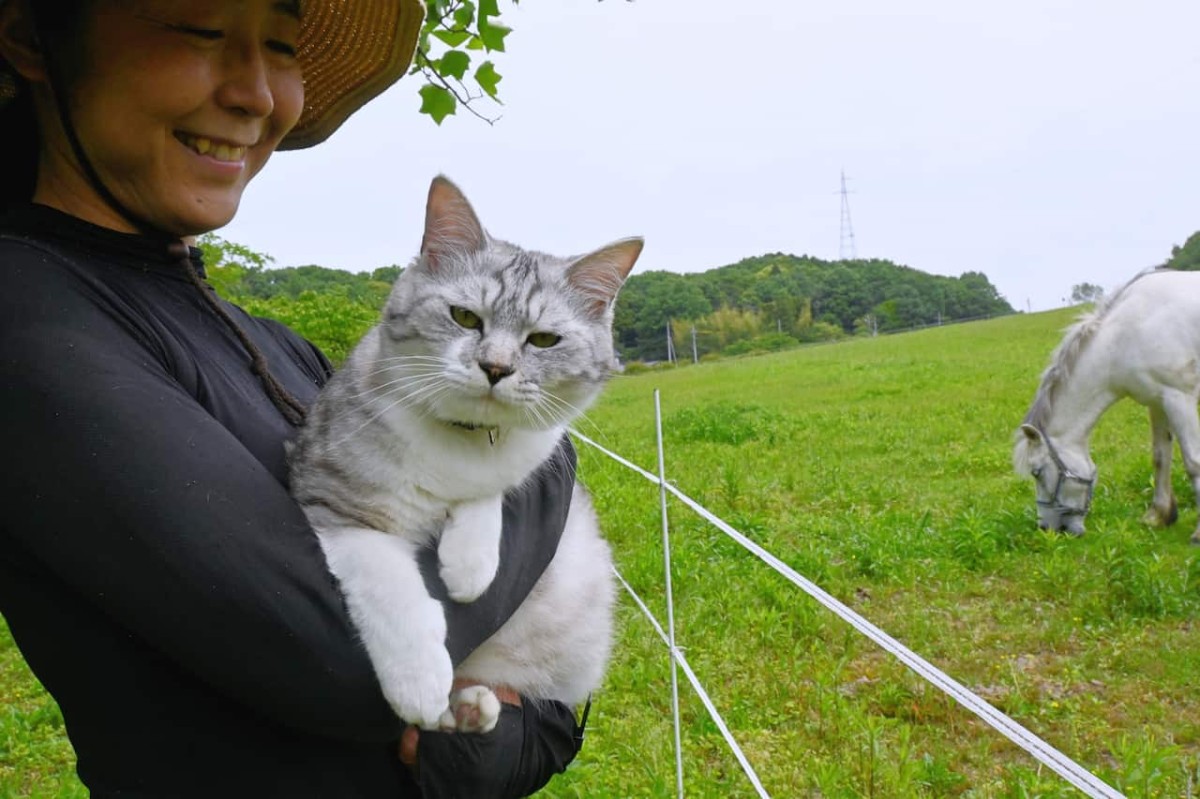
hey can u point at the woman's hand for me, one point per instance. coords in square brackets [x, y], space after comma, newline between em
[531, 743]
[411, 734]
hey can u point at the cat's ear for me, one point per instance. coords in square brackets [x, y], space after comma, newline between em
[451, 226]
[598, 276]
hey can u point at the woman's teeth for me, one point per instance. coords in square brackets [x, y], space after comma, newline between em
[204, 146]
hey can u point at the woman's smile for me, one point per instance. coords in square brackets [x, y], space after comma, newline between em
[216, 149]
[176, 116]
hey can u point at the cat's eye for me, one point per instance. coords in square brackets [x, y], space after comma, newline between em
[543, 340]
[468, 319]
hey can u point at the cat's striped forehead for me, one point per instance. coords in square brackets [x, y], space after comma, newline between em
[516, 287]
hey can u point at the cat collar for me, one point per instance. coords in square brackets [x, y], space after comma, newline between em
[493, 432]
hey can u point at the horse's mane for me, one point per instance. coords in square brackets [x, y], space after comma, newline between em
[1062, 363]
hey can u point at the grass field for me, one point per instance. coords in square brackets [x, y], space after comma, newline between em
[879, 468]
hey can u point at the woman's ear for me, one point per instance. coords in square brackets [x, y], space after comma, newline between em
[19, 42]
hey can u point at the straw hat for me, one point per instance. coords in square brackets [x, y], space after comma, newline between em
[349, 50]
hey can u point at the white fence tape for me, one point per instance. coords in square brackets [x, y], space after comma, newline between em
[1062, 765]
[695, 681]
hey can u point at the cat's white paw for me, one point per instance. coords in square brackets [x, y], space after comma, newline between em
[418, 688]
[472, 709]
[469, 548]
[466, 573]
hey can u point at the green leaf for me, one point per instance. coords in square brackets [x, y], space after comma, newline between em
[475, 44]
[452, 38]
[493, 35]
[487, 78]
[488, 8]
[454, 64]
[464, 15]
[437, 102]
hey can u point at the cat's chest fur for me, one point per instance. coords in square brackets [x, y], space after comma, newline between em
[431, 465]
[362, 455]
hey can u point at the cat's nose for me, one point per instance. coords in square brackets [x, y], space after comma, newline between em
[495, 371]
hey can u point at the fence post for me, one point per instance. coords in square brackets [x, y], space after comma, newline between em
[666, 536]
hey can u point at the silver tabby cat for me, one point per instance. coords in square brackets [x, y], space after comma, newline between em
[485, 353]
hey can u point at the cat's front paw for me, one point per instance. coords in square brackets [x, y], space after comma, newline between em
[472, 709]
[467, 573]
[419, 690]
[469, 548]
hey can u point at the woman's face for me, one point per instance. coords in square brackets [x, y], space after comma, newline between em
[178, 104]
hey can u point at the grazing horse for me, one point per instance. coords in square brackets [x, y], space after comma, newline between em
[1143, 343]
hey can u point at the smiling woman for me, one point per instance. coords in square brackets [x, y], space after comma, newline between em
[179, 106]
[155, 572]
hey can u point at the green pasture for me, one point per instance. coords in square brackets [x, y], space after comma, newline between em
[878, 468]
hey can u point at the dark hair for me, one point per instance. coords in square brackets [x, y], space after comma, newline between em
[59, 24]
[21, 145]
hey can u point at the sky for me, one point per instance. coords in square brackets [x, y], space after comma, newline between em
[1044, 143]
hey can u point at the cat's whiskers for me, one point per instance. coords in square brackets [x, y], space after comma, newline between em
[545, 412]
[383, 393]
[532, 414]
[433, 386]
[386, 388]
[401, 362]
[435, 359]
[579, 414]
[421, 392]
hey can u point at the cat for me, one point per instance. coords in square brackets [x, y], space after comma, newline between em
[484, 355]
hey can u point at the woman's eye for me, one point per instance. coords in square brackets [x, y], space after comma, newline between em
[543, 340]
[468, 319]
[209, 34]
[283, 48]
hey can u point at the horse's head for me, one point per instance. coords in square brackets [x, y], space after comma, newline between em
[1063, 479]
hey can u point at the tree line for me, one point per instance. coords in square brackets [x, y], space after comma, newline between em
[776, 301]
[759, 304]
[763, 303]
[1186, 257]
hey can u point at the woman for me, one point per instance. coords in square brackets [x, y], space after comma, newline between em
[153, 570]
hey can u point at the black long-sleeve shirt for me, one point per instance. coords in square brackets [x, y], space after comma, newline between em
[154, 571]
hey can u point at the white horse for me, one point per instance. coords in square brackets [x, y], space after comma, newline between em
[1143, 343]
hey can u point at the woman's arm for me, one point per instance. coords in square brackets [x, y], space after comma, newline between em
[130, 492]
[136, 498]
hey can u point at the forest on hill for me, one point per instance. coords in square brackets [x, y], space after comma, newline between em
[765, 303]
[1186, 257]
[776, 301]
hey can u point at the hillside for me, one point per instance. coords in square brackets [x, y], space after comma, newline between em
[775, 301]
[765, 303]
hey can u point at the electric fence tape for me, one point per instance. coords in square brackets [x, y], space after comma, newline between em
[1062, 765]
[704, 697]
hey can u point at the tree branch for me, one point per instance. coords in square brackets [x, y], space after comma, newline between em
[463, 98]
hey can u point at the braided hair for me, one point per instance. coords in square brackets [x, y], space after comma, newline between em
[59, 28]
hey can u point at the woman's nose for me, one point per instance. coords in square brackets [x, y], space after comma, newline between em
[247, 85]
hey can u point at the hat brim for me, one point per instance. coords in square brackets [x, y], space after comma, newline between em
[350, 51]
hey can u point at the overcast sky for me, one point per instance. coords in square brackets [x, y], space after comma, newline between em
[1042, 142]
